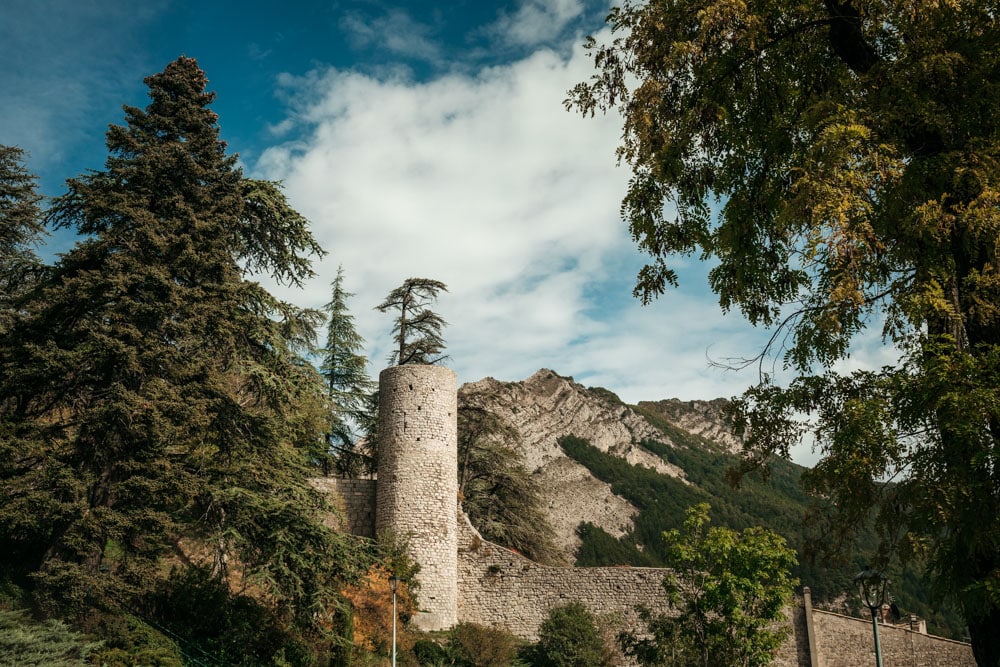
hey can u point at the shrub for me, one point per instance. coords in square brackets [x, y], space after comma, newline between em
[473, 645]
[569, 638]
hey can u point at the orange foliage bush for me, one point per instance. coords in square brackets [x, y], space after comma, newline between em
[371, 600]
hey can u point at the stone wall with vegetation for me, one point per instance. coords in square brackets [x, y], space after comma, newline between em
[498, 587]
[501, 588]
[354, 500]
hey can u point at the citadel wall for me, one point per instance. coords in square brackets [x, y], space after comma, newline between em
[844, 641]
[501, 588]
[354, 500]
[465, 578]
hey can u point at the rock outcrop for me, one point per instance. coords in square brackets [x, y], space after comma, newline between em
[546, 407]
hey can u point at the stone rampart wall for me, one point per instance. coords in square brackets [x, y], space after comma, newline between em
[504, 589]
[843, 641]
[498, 587]
[354, 499]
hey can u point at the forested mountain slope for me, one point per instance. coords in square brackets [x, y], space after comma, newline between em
[613, 477]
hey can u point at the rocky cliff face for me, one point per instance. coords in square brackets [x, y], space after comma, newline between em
[704, 418]
[546, 407]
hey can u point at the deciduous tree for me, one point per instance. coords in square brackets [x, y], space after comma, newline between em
[569, 637]
[838, 160]
[729, 591]
[417, 329]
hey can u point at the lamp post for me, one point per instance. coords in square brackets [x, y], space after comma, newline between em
[872, 586]
[393, 585]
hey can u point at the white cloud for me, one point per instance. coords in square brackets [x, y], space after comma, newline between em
[486, 183]
[537, 21]
[396, 32]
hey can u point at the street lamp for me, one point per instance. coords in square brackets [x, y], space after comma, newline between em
[393, 585]
[873, 586]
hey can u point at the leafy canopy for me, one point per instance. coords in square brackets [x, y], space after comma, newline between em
[729, 589]
[838, 160]
[569, 637]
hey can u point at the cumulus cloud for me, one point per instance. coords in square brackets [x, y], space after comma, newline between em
[486, 183]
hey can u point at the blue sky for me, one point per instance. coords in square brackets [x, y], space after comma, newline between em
[421, 139]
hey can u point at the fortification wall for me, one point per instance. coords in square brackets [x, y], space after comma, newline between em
[504, 589]
[417, 490]
[465, 578]
[354, 500]
[843, 641]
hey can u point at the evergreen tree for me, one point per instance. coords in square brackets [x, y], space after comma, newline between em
[152, 393]
[20, 228]
[347, 383]
[417, 330]
[500, 496]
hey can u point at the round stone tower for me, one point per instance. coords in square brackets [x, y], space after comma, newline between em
[417, 487]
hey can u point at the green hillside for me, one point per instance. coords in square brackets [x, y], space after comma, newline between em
[778, 503]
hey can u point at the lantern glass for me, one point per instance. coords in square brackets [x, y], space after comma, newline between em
[872, 587]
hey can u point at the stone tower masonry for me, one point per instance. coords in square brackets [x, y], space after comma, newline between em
[417, 487]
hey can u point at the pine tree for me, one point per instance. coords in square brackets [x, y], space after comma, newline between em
[417, 330]
[501, 498]
[348, 385]
[20, 228]
[151, 392]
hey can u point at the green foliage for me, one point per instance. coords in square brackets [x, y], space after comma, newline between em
[839, 161]
[598, 549]
[25, 642]
[349, 388]
[498, 493]
[663, 500]
[154, 399]
[20, 228]
[417, 329]
[218, 626]
[569, 638]
[127, 641]
[473, 645]
[778, 504]
[729, 588]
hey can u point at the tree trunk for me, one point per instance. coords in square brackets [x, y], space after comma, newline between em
[983, 630]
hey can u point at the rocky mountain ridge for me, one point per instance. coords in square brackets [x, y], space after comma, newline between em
[546, 406]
